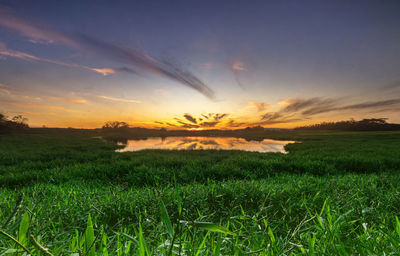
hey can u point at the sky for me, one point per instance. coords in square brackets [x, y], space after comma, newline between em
[199, 64]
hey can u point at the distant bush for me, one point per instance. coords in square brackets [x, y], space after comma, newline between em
[373, 124]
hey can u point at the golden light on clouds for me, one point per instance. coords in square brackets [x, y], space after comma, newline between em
[68, 100]
[104, 71]
[260, 106]
[119, 99]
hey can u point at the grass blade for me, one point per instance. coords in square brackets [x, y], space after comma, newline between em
[213, 227]
[23, 229]
[89, 238]
[165, 218]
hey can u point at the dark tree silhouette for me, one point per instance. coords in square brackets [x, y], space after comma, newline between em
[115, 125]
[372, 124]
[15, 124]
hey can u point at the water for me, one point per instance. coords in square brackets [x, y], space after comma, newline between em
[197, 143]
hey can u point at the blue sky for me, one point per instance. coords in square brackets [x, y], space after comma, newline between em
[147, 61]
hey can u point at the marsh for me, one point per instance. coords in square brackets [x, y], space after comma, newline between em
[203, 143]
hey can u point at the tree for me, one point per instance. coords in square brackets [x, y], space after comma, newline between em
[19, 119]
[113, 125]
[16, 123]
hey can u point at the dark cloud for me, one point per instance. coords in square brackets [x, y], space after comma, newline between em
[373, 104]
[218, 117]
[271, 116]
[134, 57]
[233, 123]
[170, 124]
[190, 118]
[277, 118]
[304, 109]
[209, 120]
[279, 121]
[209, 124]
[301, 104]
[330, 106]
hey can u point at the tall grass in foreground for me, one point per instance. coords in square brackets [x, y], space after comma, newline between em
[274, 217]
[333, 194]
[322, 236]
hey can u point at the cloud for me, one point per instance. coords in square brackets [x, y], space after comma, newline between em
[5, 89]
[13, 94]
[373, 104]
[160, 91]
[393, 85]
[207, 121]
[259, 105]
[271, 116]
[36, 34]
[330, 106]
[68, 100]
[28, 57]
[233, 123]
[144, 62]
[218, 117]
[294, 110]
[41, 106]
[118, 99]
[108, 71]
[207, 65]
[237, 65]
[134, 57]
[190, 118]
[293, 105]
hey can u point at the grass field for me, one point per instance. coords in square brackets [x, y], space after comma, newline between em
[335, 193]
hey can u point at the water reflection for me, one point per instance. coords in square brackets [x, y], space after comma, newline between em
[197, 143]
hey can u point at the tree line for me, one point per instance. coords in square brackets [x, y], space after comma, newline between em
[372, 124]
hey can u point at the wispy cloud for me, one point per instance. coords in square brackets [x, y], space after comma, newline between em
[294, 110]
[36, 34]
[144, 62]
[69, 100]
[393, 85]
[260, 106]
[207, 65]
[111, 51]
[233, 124]
[108, 71]
[16, 94]
[238, 65]
[29, 57]
[42, 106]
[118, 99]
[5, 89]
[161, 92]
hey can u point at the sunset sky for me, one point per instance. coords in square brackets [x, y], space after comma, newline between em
[199, 64]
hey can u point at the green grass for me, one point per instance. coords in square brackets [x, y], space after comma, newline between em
[336, 193]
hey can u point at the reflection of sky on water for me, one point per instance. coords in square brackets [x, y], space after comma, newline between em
[197, 143]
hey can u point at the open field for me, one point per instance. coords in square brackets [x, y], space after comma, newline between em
[334, 193]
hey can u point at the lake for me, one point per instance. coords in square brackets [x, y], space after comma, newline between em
[199, 143]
